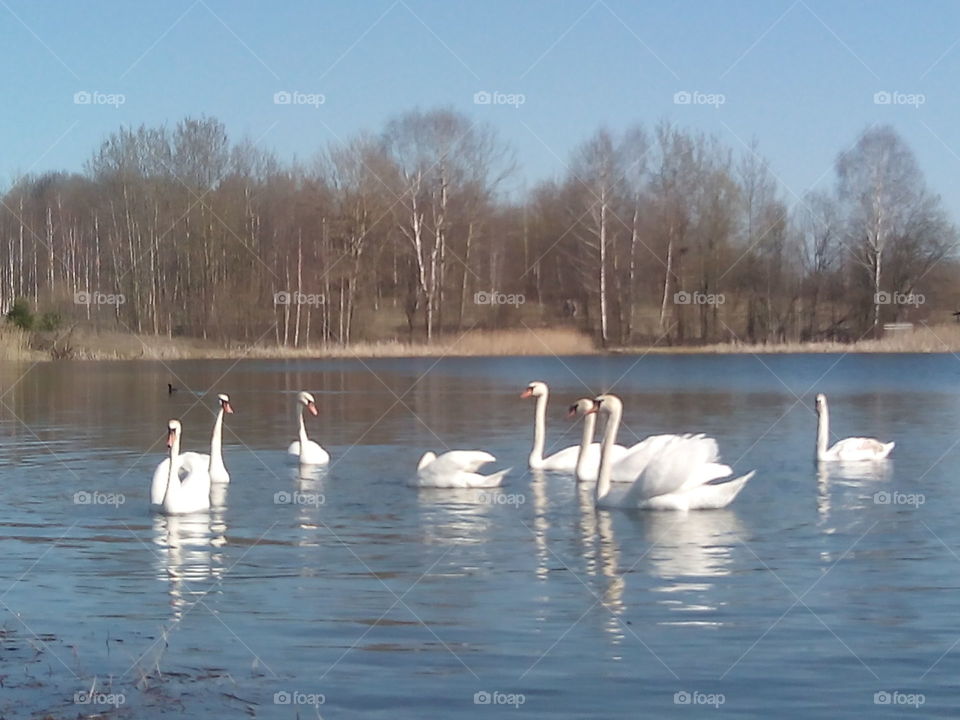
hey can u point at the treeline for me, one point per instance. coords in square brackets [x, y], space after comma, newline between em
[661, 234]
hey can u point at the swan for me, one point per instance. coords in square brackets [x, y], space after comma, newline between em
[457, 469]
[563, 460]
[186, 491]
[304, 450]
[588, 453]
[849, 450]
[681, 473]
[189, 462]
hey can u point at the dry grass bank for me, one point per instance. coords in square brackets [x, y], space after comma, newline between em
[121, 346]
[933, 339]
[90, 345]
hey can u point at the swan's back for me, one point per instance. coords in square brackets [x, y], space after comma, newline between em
[859, 449]
[683, 462]
[634, 460]
[455, 461]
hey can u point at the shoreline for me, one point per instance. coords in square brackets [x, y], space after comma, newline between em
[86, 346]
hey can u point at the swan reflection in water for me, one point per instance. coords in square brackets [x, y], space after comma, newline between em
[685, 550]
[602, 556]
[190, 556]
[308, 494]
[457, 516]
[845, 483]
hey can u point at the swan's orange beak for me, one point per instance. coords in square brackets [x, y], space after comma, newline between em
[228, 408]
[593, 410]
[572, 412]
[312, 408]
[171, 438]
[526, 393]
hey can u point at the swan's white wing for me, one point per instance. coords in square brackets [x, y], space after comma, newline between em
[565, 459]
[458, 461]
[187, 463]
[682, 462]
[711, 496]
[460, 479]
[857, 449]
[634, 461]
[313, 453]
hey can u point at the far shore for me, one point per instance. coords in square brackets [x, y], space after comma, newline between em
[89, 345]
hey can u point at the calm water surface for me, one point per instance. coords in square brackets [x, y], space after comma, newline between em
[805, 598]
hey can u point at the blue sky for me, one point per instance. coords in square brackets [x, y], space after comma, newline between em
[798, 76]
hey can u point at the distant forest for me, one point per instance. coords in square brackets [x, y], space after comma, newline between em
[654, 234]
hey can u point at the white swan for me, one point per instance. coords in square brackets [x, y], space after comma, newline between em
[186, 491]
[304, 450]
[563, 460]
[849, 450]
[588, 452]
[193, 461]
[457, 469]
[682, 473]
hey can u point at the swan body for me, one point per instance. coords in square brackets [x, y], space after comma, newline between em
[565, 460]
[190, 462]
[303, 450]
[457, 469]
[186, 491]
[678, 472]
[850, 449]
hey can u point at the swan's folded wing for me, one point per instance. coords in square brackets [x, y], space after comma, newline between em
[458, 461]
[681, 462]
[861, 449]
[636, 458]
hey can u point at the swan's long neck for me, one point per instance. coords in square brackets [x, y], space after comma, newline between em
[216, 442]
[539, 431]
[589, 426]
[302, 434]
[173, 480]
[606, 450]
[823, 430]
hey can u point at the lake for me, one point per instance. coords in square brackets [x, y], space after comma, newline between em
[346, 593]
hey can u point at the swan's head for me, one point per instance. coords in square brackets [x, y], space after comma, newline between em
[225, 403]
[606, 404]
[306, 399]
[535, 389]
[583, 406]
[173, 432]
[821, 404]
